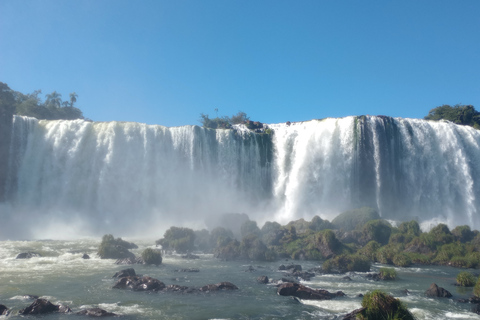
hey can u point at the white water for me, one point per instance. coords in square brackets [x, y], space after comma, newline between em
[77, 178]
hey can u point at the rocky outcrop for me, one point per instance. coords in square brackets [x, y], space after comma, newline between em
[27, 255]
[262, 279]
[136, 283]
[219, 286]
[96, 312]
[42, 306]
[85, 256]
[306, 293]
[436, 291]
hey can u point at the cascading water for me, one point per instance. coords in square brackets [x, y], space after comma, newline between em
[131, 177]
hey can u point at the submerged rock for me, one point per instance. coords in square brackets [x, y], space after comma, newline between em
[27, 255]
[436, 291]
[306, 293]
[96, 312]
[219, 286]
[41, 306]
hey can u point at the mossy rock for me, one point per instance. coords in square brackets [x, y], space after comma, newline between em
[151, 256]
[347, 262]
[356, 218]
[466, 279]
[380, 306]
[111, 248]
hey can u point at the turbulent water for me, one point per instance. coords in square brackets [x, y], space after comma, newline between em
[63, 277]
[87, 178]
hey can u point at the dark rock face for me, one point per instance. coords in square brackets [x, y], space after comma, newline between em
[436, 291]
[262, 279]
[27, 255]
[130, 272]
[3, 310]
[96, 312]
[306, 293]
[139, 284]
[41, 306]
[85, 256]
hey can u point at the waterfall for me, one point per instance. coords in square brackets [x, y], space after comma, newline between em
[130, 177]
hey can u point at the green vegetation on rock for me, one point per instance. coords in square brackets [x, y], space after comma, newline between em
[111, 248]
[356, 218]
[381, 306]
[388, 274]
[151, 256]
[459, 114]
[182, 240]
[466, 279]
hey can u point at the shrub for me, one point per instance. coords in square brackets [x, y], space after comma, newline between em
[466, 279]
[377, 230]
[347, 262]
[410, 228]
[370, 250]
[181, 240]
[476, 289]
[463, 233]
[401, 259]
[388, 274]
[381, 306]
[111, 248]
[386, 253]
[151, 256]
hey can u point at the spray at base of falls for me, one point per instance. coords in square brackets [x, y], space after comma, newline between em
[132, 178]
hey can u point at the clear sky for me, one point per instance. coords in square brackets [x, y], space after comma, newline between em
[165, 62]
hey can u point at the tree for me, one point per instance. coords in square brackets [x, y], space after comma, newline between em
[73, 98]
[54, 100]
[459, 114]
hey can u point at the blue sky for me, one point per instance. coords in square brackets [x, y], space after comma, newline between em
[165, 62]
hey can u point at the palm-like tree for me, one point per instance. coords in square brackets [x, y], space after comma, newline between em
[54, 99]
[73, 98]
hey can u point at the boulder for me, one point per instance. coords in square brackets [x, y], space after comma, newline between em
[306, 293]
[85, 256]
[96, 312]
[262, 279]
[41, 306]
[219, 286]
[27, 255]
[436, 291]
[3, 310]
[136, 283]
[130, 272]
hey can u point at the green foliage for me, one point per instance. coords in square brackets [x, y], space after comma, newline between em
[271, 233]
[466, 279]
[386, 253]
[227, 122]
[370, 250]
[411, 228]
[300, 225]
[111, 248]
[203, 241]
[347, 262]
[253, 248]
[181, 240]
[463, 234]
[151, 256]
[7, 101]
[476, 289]
[381, 306]
[249, 227]
[418, 258]
[448, 251]
[388, 274]
[401, 259]
[459, 114]
[229, 249]
[376, 230]
[318, 224]
[350, 220]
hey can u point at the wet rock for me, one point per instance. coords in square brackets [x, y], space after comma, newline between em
[250, 269]
[3, 310]
[30, 297]
[303, 275]
[179, 289]
[292, 267]
[262, 279]
[306, 293]
[476, 308]
[353, 315]
[41, 306]
[136, 283]
[436, 291]
[96, 312]
[27, 255]
[347, 278]
[130, 272]
[219, 286]
[85, 256]
[373, 276]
